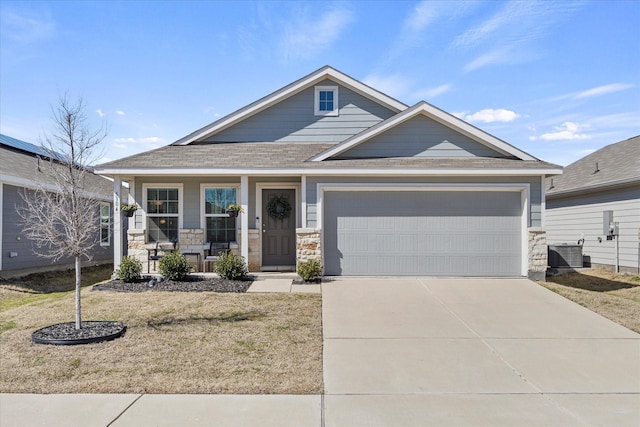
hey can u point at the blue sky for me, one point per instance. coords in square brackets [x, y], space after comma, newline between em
[558, 79]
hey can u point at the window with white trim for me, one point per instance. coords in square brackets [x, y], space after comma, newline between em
[163, 214]
[326, 101]
[220, 227]
[105, 224]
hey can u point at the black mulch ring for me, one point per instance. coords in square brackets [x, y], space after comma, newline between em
[67, 334]
[193, 283]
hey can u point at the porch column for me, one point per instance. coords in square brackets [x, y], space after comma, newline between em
[117, 223]
[244, 218]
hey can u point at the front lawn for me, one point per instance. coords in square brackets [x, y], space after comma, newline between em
[614, 296]
[176, 342]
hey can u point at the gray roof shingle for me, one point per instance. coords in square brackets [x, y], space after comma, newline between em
[616, 164]
[271, 155]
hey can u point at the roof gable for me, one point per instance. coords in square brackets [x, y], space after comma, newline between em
[293, 119]
[318, 76]
[468, 136]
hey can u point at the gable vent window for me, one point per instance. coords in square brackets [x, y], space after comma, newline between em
[326, 101]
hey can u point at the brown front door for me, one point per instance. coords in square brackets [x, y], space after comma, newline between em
[278, 228]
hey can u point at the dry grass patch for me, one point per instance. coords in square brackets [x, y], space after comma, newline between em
[175, 343]
[612, 295]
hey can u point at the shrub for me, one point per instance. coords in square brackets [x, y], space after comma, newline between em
[309, 270]
[174, 266]
[231, 266]
[130, 269]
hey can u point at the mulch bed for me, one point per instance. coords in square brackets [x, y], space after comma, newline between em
[193, 284]
[67, 334]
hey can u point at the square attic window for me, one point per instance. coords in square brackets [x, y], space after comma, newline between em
[326, 101]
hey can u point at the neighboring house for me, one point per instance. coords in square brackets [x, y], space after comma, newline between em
[330, 168]
[21, 165]
[603, 184]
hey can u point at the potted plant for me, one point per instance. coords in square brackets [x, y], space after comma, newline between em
[234, 210]
[129, 210]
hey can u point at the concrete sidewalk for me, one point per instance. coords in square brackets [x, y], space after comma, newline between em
[280, 283]
[131, 410]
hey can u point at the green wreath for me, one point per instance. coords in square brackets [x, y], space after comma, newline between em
[278, 208]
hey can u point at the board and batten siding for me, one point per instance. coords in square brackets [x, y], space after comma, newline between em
[14, 240]
[293, 120]
[420, 136]
[569, 219]
[535, 204]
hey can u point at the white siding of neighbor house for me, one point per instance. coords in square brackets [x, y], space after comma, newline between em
[420, 136]
[293, 120]
[571, 218]
[534, 182]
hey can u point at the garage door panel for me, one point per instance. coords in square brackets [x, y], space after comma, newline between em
[423, 233]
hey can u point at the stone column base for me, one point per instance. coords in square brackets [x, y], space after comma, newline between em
[537, 254]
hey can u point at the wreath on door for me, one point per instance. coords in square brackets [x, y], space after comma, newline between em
[278, 208]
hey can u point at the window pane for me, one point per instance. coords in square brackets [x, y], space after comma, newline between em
[221, 229]
[104, 235]
[162, 229]
[162, 201]
[217, 200]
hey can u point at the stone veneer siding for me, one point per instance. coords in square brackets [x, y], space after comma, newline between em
[254, 249]
[308, 244]
[537, 254]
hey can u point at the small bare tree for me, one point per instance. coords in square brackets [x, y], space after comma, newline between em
[59, 216]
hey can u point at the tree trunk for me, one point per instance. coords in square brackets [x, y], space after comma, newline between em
[78, 281]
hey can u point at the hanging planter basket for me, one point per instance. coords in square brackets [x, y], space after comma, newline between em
[278, 208]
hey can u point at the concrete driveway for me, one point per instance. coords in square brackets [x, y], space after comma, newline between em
[481, 352]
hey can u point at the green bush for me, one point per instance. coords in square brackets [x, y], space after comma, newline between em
[231, 267]
[130, 269]
[174, 266]
[309, 270]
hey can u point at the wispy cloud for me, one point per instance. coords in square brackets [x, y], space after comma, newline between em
[425, 16]
[511, 30]
[436, 91]
[306, 36]
[489, 116]
[148, 142]
[395, 85]
[567, 131]
[26, 29]
[603, 90]
[120, 112]
[100, 112]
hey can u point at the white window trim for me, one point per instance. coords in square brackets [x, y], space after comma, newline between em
[144, 203]
[203, 210]
[316, 100]
[108, 242]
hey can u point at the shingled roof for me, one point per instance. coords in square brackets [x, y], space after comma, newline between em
[261, 156]
[614, 165]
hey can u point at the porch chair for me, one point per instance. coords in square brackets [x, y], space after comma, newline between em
[215, 250]
[153, 255]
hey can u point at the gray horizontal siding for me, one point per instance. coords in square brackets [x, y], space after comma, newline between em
[14, 240]
[535, 214]
[420, 137]
[572, 218]
[293, 120]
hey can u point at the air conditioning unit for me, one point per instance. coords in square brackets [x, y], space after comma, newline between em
[565, 255]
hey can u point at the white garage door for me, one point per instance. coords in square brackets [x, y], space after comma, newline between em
[433, 233]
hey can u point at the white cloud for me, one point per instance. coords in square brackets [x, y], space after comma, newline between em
[567, 131]
[498, 56]
[394, 85]
[422, 15]
[436, 91]
[100, 112]
[459, 114]
[119, 146]
[490, 115]
[120, 112]
[306, 37]
[603, 90]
